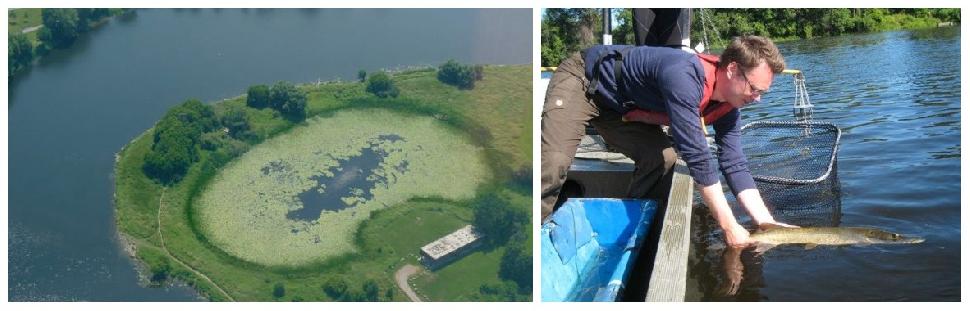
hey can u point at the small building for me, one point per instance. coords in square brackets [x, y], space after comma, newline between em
[450, 247]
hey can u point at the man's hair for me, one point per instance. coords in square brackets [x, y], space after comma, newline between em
[750, 51]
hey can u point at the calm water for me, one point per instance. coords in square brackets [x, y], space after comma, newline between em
[355, 176]
[77, 108]
[896, 96]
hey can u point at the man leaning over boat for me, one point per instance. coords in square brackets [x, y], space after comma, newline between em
[628, 92]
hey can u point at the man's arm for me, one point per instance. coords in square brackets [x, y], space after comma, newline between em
[734, 166]
[682, 92]
[752, 202]
[713, 197]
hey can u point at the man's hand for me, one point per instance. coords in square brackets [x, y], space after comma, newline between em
[736, 236]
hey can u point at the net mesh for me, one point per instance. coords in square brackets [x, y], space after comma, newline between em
[795, 167]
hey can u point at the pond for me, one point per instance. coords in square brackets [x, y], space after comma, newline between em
[285, 215]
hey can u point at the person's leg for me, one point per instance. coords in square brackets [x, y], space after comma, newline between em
[565, 114]
[647, 146]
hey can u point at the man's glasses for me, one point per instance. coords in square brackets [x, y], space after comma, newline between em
[754, 91]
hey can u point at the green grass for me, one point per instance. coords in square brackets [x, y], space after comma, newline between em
[403, 230]
[496, 102]
[377, 257]
[20, 19]
[138, 201]
[460, 280]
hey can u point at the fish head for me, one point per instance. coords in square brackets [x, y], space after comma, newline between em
[882, 236]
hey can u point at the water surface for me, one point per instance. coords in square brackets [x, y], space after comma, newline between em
[896, 97]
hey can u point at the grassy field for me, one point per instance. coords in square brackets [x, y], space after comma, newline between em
[402, 231]
[20, 19]
[498, 123]
[461, 280]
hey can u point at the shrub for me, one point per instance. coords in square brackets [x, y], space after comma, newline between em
[278, 290]
[462, 76]
[236, 122]
[335, 287]
[160, 273]
[362, 75]
[288, 100]
[380, 84]
[371, 290]
[257, 96]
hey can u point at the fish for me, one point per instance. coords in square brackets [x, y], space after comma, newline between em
[814, 236]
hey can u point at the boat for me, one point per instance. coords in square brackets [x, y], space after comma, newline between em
[589, 247]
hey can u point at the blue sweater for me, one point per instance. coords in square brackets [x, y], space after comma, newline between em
[672, 81]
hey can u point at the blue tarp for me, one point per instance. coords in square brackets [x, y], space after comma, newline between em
[588, 246]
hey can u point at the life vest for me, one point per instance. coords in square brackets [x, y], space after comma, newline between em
[710, 112]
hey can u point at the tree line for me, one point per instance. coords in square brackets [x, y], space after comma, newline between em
[566, 31]
[61, 27]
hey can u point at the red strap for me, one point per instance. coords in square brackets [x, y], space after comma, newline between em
[710, 114]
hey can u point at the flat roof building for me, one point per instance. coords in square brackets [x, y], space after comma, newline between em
[450, 246]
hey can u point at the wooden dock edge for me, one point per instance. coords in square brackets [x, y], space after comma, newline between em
[668, 281]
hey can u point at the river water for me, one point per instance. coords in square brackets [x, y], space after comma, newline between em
[76, 108]
[896, 97]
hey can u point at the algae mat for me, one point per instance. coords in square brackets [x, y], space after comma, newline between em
[298, 198]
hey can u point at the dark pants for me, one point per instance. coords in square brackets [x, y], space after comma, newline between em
[565, 114]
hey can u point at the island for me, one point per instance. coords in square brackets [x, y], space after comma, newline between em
[326, 191]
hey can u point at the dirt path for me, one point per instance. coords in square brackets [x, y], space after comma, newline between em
[162, 239]
[401, 277]
[31, 29]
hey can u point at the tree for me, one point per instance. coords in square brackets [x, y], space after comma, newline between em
[371, 290]
[569, 30]
[335, 287]
[170, 158]
[516, 264]
[191, 119]
[380, 84]
[236, 122]
[279, 290]
[60, 27]
[288, 100]
[496, 217]
[453, 73]
[257, 96]
[362, 75]
[160, 272]
[623, 32]
[176, 139]
[20, 53]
